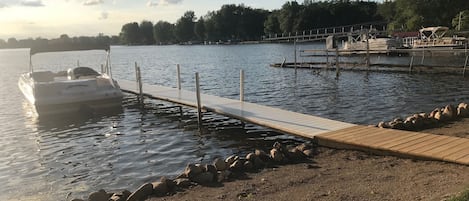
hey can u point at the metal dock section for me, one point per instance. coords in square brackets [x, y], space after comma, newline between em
[326, 132]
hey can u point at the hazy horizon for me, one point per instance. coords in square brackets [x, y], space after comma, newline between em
[23, 19]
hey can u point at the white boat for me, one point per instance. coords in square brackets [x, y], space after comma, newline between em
[434, 37]
[79, 88]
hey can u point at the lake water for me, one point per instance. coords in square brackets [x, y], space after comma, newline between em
[70, 156]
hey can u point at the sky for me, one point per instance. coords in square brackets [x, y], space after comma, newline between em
[51, 18]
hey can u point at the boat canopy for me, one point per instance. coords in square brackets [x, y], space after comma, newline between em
[434, 29]
[59, 47]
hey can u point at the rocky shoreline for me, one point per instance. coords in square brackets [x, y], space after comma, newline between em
[435, 118]
[231, 168]
[235, 167]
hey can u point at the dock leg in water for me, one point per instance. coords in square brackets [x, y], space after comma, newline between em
[199, 105]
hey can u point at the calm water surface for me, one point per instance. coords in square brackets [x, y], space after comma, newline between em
[52, 158]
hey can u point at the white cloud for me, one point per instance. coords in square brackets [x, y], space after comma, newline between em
[104, 15]
[32, 3]
[151, 3]
[92, 2]
[166, 2]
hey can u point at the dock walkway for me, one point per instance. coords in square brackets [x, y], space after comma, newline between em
[325, 131]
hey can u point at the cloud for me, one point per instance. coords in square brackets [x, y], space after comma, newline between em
[104, 15]
[151, 3]
[32, 3]
[2, 5]
[166, 2]
[92, 2]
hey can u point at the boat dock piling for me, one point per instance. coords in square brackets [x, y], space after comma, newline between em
[323, 131]
[465, 65]
[138, 77]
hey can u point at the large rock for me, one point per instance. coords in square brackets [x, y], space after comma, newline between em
[438, 116]
[251, 156]
[160, 188]
[258, 163]
[303, 146]
[276, 155]
[262, 155]
[223, 175]
[383, 125]
[203, 178]
[210, 168]
[237, 165]
[120, 196]
[231, 159]
[397, 123]
[248, 165]
[449, 112]
[192, 170]
[295, 154]
[182, 182]
[141, 193]
[219, 164]
[278, 146]
[101, 195]
[463, 110]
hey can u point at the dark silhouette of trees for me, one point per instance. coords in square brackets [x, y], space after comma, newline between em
[146, 30]
[130, 34]
[163, 32]
[240, 22]
[184, 29]
[199, 29]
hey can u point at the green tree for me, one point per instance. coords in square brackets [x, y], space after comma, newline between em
[271, 24]
[199, 29]
[184, 28]
[146, 30]
[461, 20]
[163, 32]
[288, 16]
[130, 34]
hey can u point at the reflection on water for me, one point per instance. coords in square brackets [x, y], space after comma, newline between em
[55, 157]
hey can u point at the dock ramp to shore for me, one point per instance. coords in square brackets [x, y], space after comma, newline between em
[324, 131]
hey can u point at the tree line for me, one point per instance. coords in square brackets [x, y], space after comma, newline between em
[243, 23]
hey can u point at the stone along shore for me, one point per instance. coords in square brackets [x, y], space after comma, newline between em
[219, 171]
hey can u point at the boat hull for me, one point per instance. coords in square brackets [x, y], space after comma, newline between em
[61, 95]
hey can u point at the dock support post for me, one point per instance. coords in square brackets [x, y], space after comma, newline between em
[283, 63]
[367, 51]
[241, 85]
[102, 68]
[294, 46]
[327, 58]
[337, 61]
[199, 105]
[465, 65]
[178, 69]
[411, 63]
[139, 83]
[423, 56]
[78, 63]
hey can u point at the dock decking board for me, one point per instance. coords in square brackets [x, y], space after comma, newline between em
[324, 131]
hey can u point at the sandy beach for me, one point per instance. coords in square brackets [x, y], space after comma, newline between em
[346, 175]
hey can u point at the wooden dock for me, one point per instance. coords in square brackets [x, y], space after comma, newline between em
[326, 132]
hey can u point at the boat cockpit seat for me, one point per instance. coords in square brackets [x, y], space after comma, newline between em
[81, 72]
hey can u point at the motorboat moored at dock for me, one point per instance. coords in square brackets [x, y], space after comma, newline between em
[79, 88]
